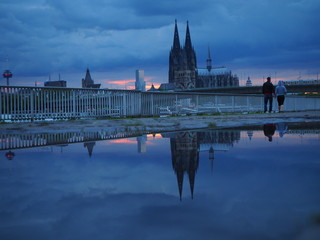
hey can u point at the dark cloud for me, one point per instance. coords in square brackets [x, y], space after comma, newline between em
[45, 36]
[168, 8]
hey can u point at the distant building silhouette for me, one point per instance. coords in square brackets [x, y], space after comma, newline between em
[140, 83]
[211, 77]
[152, 89]
[60, 83]
[88, 82]
[183, 70]
[249, 83]
[166, 86]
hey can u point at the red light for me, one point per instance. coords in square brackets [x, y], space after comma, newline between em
[7, 74]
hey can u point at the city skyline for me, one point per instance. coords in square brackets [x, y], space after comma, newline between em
[114, 39]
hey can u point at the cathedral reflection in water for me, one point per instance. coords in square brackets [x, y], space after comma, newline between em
[185, 148]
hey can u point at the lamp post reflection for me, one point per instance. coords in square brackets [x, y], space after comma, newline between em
[10, 155]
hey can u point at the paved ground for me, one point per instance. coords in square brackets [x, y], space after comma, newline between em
[164, 124]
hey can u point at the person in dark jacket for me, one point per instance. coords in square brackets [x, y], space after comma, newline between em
[268, 92]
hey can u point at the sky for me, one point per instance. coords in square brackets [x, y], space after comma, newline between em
[58, 39]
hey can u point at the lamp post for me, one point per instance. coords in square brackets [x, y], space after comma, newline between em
[7, 74]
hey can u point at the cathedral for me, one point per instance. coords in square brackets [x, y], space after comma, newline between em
[182, 62]
[183, 70]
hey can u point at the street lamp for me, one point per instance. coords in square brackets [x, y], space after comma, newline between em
[7, 74]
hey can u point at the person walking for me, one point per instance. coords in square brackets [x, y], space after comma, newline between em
[268, 92]
[280, 92]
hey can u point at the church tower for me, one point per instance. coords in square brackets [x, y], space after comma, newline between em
[190, 53]
[182, 62]
[175, 55]
[88, 82]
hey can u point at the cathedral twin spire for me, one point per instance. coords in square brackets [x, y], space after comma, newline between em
[176, 40]
[188, 44]
[182, 61]
[176, 47]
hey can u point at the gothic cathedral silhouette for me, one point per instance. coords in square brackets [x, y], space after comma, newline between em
[183, 70]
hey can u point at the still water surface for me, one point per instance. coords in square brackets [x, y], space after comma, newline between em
[254, 183]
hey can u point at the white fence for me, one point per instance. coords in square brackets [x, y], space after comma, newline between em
[39, 103]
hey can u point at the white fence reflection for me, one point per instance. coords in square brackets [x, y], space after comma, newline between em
[16, 140]
[39, 103]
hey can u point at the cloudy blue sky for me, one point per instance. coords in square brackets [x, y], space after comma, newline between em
[255, 38]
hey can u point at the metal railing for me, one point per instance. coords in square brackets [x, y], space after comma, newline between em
[43, 103]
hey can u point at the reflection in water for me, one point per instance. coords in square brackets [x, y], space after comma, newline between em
[142, 144]
[185, 145]
[124, 194]
[89, 146]
[250, 134]
[14, 140]
[269, 130]
[281, 128]
[10, 155]
[185, 148]
[211, 157]
[185, 157]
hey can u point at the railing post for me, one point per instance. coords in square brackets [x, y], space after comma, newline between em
[32, 104]
[152, 111]
[74, 113]
[124, 105]
[139, 104]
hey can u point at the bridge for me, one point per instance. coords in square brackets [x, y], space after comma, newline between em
[298, 88]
